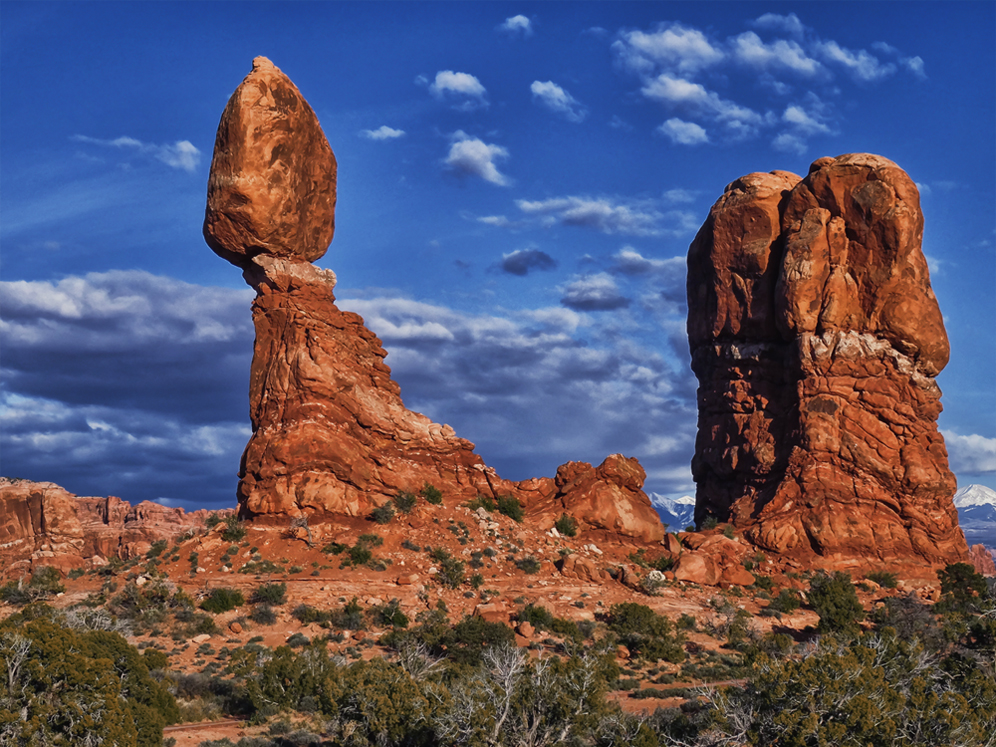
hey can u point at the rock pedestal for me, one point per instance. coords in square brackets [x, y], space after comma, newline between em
[331, 434]
[815, 337]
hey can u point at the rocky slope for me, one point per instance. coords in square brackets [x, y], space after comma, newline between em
[331, 435]
[41, 523]
[815, 337]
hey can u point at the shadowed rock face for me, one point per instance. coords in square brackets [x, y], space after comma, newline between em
[331, 434]
[815, 337]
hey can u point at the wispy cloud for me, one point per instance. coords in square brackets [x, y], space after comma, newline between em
[603, 214]
[180, 155]
[861, 64]
[749, 50]
[672, 46]
[556, 99]
[789, 24]
[382, 133]
[971, 454]
[518, 25]
[471, 156]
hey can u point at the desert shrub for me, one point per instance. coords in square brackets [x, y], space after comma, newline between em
[653, 582]
[644, 632]
[370, 540]
[270, 594]
[348, 617]
[405, 502]
[306, 614]
[156, 549]
[431, 494]
[234, 530]
[223, 599]
[360, 554]
[536, 615]
[476, 581]
[263, 614]
[763, 582]
[383, 514]
[390, 615]
[334, 548]
[409, 545]
[710, 522]
[466, 641]
[786, 602]
[836, 602]
[909, 618]
[298, 640]
[212, 520]
[884, 579]
[509, 506]
[566, 526]
[962, 588]
[528, 565]
[451, 572]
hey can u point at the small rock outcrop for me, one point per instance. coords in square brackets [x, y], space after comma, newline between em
[330, 433]
[42, 523]
[815, 337]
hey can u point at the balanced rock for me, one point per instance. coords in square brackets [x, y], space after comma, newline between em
[815, 337]
[273, 174]
[330, 433]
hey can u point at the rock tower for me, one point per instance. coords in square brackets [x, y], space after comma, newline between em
[815, 337]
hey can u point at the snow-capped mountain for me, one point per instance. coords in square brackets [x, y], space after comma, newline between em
[976, 506]
[677, 513]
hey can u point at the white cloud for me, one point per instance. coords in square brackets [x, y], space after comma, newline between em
[180, 155]
[670, 47]
[604, 214]
[680, 195]
[522, 261]
[382, 133]
[681, 93]
[450, 84]
[861, 64]
[789, 24]
[519, 24]
[494, 220]
[749, 50]
[915, 66]
[593, 293]
[628, 261]
[789, 143]
[473, 157]
[684, 133]
[556, 99]
[972, 454]
[803, 121]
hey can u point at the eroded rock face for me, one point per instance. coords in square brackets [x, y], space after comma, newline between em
[331, 434]
[816, 338]
[42, 523]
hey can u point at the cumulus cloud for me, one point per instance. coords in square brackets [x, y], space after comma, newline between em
[465, 90]
[972, 454]
[670, 46]
[805, 122]
[382, 133]
[471, 156]
[629, 261]
[126, 383]
[679, 93]
[556, 99]
[593, 293]
[522, 261]
[684, 133]
[180, 155]
[517, 25]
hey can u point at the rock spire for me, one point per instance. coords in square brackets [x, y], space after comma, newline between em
[816, 337]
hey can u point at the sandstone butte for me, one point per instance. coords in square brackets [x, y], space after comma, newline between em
[816, 340]
[330, 433]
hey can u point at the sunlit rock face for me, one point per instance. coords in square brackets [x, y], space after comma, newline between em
[816, 337]
[330, 433]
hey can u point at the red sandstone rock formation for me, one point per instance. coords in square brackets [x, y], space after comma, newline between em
[816, 338]
[983, 559]
[44, 524]
[330, 432]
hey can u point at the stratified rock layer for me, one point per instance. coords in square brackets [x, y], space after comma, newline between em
[330, 432]
[815, 337]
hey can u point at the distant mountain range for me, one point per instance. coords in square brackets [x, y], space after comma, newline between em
[976, 506]
[677, 513]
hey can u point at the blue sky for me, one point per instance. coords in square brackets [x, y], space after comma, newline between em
[518, 186]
